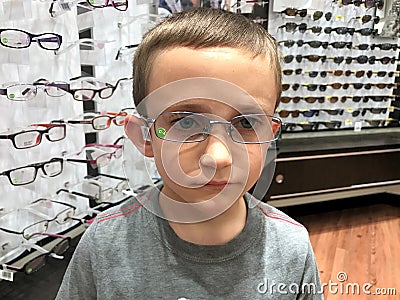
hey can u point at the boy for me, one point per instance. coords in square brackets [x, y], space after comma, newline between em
[206, 83]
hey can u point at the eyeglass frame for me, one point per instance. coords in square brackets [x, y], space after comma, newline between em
[99, 91]
[41, 133]
[44, 255]
[37, 166]
[31, 36]
[211, 123]
[112, 118]
[42, 215]
[112, 4]
[109, 190]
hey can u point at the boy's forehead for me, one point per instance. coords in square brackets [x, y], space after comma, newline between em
[203, 94]
[215, 106]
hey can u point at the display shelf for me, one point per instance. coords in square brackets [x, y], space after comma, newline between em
[321, 166]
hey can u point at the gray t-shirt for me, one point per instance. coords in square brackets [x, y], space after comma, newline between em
[129, 253]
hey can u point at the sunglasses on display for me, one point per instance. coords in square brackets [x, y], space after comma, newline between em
[334, 99]
[329, 124]
[367, 18]
[291, 27]
[319, 14]
[314, 87]
[294, 12]
[288, 99]
[286, 86]
[366, 31]
[367, 3]
[314, 74]
[291, 71]
[312, 58]
[385, 46]
[313, 44]
[296, 113]
[305, 126]
[333, 112]
[339, 30]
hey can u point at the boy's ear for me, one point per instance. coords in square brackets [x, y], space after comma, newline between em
[138, 132]
[275, 128]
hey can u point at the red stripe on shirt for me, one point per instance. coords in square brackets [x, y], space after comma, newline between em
[269, 213]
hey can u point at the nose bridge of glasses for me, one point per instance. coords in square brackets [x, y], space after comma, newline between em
[220, 122]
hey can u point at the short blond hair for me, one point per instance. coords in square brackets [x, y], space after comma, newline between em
[203, 28]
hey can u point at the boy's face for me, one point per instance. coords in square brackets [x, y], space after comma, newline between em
[199, 171]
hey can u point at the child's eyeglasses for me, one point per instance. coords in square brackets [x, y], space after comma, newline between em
[189, 127]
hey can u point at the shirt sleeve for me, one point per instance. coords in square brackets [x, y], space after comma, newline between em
[79, 282]
[310, 288]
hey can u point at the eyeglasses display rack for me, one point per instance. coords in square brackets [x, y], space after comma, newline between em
[65, 89]
[340, 101]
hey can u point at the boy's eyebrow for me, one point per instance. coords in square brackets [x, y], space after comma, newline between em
[197, 107]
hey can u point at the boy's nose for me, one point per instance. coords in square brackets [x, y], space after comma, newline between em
[217, 154]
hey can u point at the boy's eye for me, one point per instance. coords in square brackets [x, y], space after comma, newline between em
[188, 122]
[243, 122]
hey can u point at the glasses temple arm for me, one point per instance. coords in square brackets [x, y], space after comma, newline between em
[112, 176]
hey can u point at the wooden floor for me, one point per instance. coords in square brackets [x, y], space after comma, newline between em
[356, 246]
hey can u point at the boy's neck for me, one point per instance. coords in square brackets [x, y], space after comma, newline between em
[216, 231]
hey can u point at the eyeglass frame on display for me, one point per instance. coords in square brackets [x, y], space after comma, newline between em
[31, 36]
[43, 256]
[93, 118]
[37, 166]
[45, 132]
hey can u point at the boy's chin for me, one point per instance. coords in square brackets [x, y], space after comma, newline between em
[200, 204]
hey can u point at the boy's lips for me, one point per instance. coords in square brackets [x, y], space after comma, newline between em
[217, 183]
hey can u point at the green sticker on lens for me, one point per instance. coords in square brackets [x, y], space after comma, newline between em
[4, 40]
[11, 96]
[29, 271]
[15, 180]
[91, 1]
[27, 236]
[161, 132]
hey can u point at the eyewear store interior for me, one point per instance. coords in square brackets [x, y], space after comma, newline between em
[65, 71]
